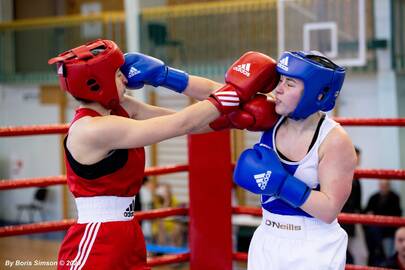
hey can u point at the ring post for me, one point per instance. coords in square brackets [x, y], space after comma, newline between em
[210, 185]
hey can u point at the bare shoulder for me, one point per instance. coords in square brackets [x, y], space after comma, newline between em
[338, 144]
[93, 131]
[90, 138]
[80, 140]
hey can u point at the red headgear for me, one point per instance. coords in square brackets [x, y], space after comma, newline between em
[88, 71]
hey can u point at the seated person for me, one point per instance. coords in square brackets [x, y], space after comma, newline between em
[397, 261]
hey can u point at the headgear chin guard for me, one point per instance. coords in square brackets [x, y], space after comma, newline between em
[322, 80]
[88, 71]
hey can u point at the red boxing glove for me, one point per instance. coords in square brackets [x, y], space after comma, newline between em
[222, 122]
[241, 120]
[262, 111]
[258, 114]
[251, 73]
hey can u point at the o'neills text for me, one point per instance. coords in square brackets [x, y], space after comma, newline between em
[282, 226]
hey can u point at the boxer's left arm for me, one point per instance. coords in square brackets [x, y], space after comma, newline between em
[335, 172]
[201, 88]
[198, 87]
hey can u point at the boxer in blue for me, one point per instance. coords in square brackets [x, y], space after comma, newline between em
[302, 168]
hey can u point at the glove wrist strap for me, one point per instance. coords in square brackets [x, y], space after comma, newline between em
[176, 80]
[294, 191]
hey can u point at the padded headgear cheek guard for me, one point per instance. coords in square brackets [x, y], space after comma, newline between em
[88, 71]
[322, 80]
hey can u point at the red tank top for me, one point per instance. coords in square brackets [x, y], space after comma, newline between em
[123, 180]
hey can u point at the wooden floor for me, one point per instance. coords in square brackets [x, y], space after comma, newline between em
[28, 253]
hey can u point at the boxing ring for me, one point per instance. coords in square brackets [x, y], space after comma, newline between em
[210, 186]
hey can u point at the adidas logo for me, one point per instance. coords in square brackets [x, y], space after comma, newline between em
[132, 72]
[244, 69]
[283, 63]
[262, 179]
[129, 212]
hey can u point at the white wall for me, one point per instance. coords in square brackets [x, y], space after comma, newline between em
[39, 155]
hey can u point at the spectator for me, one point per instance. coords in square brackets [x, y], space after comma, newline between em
[380, 240]
[356, 251]
[397, 261]
[168, 231]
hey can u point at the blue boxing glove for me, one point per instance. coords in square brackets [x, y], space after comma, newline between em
[140, 69]
[260, 171]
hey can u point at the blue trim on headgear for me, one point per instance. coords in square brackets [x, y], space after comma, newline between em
[319, 81]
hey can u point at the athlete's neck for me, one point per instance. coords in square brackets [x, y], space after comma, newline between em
[311, 122]
[96, 107]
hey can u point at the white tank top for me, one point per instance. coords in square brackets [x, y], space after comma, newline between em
[305, 169]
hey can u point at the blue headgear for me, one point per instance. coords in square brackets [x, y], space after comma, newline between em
[322, 79]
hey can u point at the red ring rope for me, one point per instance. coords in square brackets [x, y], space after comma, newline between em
[58, 180]
[379, 173]
[62, 128]
[32, 182]
[359, 267]
[48, 226]
[378, 220]
[168, 259]
[33, 130]
[387, 122]
[52, 226]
